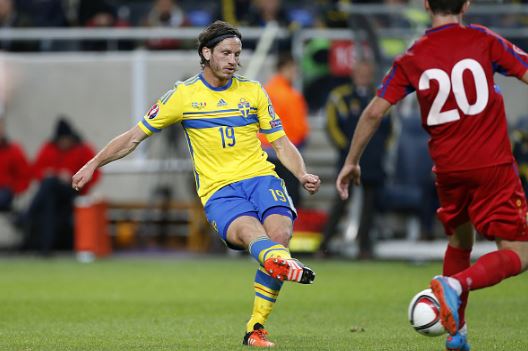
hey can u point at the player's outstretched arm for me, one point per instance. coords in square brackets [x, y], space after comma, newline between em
[293, 161]
[117, 148]
[524, 78]
[367, 125]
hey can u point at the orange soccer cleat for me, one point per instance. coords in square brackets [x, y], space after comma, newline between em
[289, 269]
[449, 301]
[258, 337]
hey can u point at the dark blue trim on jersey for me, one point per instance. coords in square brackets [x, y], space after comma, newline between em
[215, 111]
[149, 127]
[508, 49]
[222, 88]
[272, 130]
[499, 69]
[233, 121]
[386, 83]
[516, 55]
[445, 26]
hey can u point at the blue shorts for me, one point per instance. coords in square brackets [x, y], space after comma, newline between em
[257, 197]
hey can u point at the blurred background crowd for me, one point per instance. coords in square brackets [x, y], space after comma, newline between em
[321, 66]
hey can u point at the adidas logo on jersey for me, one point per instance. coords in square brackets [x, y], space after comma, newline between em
[221, 103]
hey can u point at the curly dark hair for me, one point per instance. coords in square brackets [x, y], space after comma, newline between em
[214, 34]
[447, 7]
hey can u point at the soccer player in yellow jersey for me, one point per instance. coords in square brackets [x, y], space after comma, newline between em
[244, 199]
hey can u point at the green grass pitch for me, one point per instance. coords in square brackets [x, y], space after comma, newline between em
[203, 304]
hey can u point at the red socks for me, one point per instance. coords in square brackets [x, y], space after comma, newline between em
[455, 261]
[489, 270]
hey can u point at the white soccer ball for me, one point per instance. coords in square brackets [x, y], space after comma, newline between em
[424, 314]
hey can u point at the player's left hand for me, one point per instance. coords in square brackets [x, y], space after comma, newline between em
[310, 182]
[349, 173]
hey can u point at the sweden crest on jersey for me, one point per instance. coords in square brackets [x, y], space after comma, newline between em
[244, 107]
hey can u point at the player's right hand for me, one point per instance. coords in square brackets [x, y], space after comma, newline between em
[349, 172]
[82, 177]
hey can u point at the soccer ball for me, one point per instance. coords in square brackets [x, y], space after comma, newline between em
[424, 314]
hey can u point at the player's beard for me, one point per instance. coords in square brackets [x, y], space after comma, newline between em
[219, 72]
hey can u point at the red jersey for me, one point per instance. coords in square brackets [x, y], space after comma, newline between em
[451, 69]
[14, 168]
[52, 160]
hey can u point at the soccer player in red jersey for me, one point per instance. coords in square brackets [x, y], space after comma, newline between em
[451, 69]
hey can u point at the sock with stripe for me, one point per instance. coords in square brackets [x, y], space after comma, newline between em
[489, 270]
[266, 292]
[263, 248]
[455, 261]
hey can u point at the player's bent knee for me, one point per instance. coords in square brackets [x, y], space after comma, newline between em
[523, 255]
[281, 236]
[520, 248]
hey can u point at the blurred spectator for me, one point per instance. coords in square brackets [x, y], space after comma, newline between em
[344, 108]
[49, 218]
[520, 150]
[233, 11]
[101, 14]
[10, 18]
[96, 13]
[329, 15]
[410, 190]
[165, 13]
[14, 169]
[44, 13]
[317, 78]
[264, 11]
[261, 14]
[292, 109]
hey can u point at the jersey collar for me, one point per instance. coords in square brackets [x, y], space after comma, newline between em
[222, 88]
[445, 26]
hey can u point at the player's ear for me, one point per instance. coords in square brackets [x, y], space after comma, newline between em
[466, 6]
[206, 52]
[427, 7]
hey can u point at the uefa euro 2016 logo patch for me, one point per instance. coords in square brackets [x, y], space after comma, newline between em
[153, 112]
[275, 123]
[244, 107]
[199, 105]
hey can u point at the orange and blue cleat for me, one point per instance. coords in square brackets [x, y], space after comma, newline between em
[257, 337]
[289, 270]
[458, 342]
[449, 302]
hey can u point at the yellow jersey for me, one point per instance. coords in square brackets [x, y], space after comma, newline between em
[221, 126]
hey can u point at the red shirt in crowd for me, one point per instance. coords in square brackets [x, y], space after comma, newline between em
[14, 168]
[51, 160]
